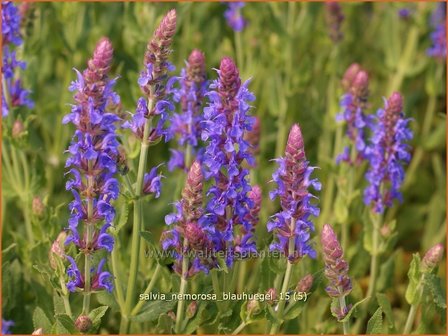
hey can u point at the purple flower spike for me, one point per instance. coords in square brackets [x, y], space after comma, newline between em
[438, 36]
[387, 154]
[11, 39]
[334, 18]
[226, 121]
[153, 82]
[432, 258]
[187, 125]
[336, 268]
[186, 224]
[353, 104]
[253, 138]
[293, 181]
[234, 17]
[93, 159]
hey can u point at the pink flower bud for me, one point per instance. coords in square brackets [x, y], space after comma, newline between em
[432, 258]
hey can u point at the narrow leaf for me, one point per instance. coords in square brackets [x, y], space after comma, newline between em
[375, 324]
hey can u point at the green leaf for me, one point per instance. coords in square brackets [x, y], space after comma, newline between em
[414, 279]
[295, 310]
[153, 310]
[40, 320]
[375, 324]
[58, 304]
[9, 253]
[387, 309]
[96, 315]
[67, 323]
[165, 325]
[107, 299]
[433, 283]
[386, 276]
[351, 311]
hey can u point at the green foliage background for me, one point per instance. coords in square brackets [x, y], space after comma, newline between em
[296, 71]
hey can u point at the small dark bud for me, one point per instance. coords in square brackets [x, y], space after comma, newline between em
[191, 309]
[83, 323]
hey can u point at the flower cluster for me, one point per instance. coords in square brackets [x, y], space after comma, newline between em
[6, 325]
[187, 125]
[438, 36]
[226, 120]
[13, 94]
[233, 16]
[336, 268]
[334, 18]
[92, 164]
[252, 217]
[292, 224]
[432, 258]
[353, 104]
[188, 234]
[152, 82]
[386, 154]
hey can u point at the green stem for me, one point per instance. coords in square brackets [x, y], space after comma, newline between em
[183, 287]
[216, 288]
[346, 324]
[117, 278]
[148, 289]
[65, 296]
[87, 289]
[239, 328]
[137, 225]
[374, 260]
[286, 279]
[414, 307]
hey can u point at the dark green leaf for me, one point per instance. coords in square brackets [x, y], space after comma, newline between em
[387, 309]
[67, 323]
[433, 283]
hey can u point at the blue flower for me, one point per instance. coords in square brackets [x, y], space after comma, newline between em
[234, 17]
[387, 153]
[293, 179]
[226, 122]
[11, 39]
[6, 325]
[438, 36]
[93, 159]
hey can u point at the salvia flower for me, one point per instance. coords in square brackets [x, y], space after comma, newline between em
[432, 258]
[100, 279]
[253, 138]
[6, 327]
[92, 162]
[438, 36]
[387, 154]
[186, 225]
[292, 223]
[186, 126]
[353, 104]
[334, 18]
[336, 268]
[234, 17]
[152, 82]
[226, 121]
[13, 94]
[305, 284]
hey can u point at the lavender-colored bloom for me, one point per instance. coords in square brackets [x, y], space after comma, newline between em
[152, 82]
[186, 126]
[100, 280]
[226, 121]
[187, 224]
[336, 268]
[293, 181]
[334, 18]
[6, 325]
[15, 94]
[152, 182]
[387, 154]
[93, 159]
[234, 17]
[404, 13]
[353, 104]
[438, 36]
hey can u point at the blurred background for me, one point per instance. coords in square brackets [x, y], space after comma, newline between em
[296, 61]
